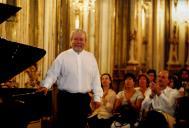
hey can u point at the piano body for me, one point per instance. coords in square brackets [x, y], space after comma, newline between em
[19, 106]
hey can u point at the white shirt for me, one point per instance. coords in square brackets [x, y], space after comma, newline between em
[164, 102]
[75, 73]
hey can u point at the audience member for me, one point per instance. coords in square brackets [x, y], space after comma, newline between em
[101, 117]
[129, 96]
[143, 84]
[162, 97]
[173, 82]
[152, 75]
[184, 81]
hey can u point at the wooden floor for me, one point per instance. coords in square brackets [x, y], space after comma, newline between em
[34, 124]
[44, 122]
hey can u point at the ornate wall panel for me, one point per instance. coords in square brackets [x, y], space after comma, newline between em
[124, 35]
[33, 25]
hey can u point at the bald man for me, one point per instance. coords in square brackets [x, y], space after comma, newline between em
[161, 97]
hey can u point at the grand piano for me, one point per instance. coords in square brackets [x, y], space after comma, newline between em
[19, 106]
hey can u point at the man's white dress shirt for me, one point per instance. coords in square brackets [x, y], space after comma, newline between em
[165, 102]
[75, 73]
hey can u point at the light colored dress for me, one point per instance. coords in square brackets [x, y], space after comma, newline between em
[146, 93]
[136, 96]
[121, 95]
[105, 110]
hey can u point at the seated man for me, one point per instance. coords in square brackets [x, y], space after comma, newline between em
[162, 97]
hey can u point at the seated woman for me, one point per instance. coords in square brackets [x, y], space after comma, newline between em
[101, 117]
[129, 96]
[143, 84]
[152, 75]
[183, 80]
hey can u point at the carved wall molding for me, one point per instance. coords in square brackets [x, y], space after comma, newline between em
[47, 24]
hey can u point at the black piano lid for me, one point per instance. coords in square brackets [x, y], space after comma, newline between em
[15, 57]
[6, 11]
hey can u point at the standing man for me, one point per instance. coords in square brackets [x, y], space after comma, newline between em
[76, 73]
